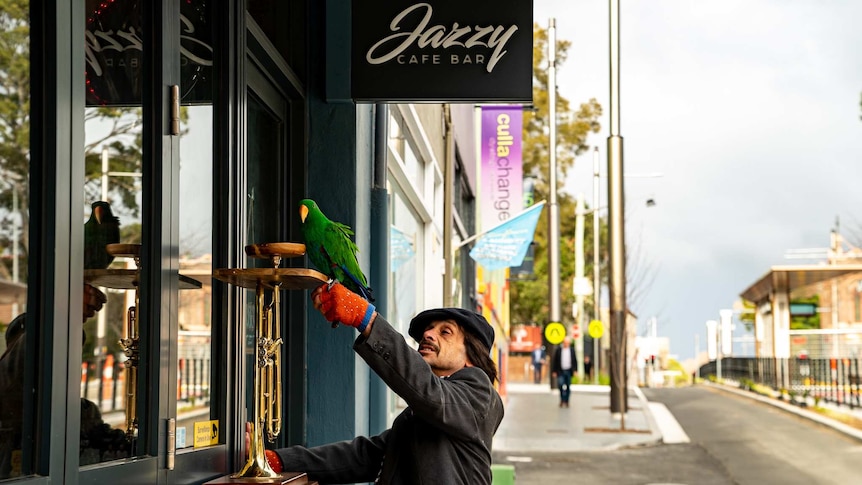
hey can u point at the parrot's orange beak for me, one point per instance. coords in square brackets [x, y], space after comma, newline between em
[98, 213]
[303, 212]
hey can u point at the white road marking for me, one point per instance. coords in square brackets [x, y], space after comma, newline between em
[671, 431]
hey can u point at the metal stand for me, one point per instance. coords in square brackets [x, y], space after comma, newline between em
[267, 372]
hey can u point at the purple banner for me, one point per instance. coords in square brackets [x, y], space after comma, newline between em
[501, 189]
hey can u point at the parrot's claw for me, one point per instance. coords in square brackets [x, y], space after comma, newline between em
[331, 283]
[334, 324]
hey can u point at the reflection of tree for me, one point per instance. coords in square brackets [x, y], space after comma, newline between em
[14, 130]
[121, 137]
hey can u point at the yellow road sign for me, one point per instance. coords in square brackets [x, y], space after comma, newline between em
[555, 332]
[596, 329]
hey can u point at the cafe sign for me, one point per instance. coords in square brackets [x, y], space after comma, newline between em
[442, 51]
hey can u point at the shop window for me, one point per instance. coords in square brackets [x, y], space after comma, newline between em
[16, 351]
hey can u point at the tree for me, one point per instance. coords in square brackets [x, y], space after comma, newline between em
[530, 298]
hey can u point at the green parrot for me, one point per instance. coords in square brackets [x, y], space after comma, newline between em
[101, 229]
[331, 250]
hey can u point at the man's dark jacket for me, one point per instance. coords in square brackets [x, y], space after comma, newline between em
[443, 437]
[557, 364]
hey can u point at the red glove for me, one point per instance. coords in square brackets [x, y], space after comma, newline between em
[338, 304]
[274, 461]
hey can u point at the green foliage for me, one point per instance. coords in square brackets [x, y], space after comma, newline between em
[683, 378]
[604, 380]
[747, 316]
[14, 129]
[530, 298]
[116, 130]
[799, 322]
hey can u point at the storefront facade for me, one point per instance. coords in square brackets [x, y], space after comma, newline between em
[203, 124]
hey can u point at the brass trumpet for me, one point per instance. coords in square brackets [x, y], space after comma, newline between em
[131, 338]
[267, 408]
[267, 383]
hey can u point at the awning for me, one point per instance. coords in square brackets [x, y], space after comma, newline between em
[789, 278]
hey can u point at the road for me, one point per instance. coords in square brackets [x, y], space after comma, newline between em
[734, 440]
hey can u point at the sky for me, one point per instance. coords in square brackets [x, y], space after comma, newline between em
[750, 111]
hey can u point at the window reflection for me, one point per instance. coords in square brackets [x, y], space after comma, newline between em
[113, 157]
[112, 195]
[194, 344]
[14, 236]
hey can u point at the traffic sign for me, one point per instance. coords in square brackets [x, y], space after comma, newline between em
[596, 329]
[555, 332]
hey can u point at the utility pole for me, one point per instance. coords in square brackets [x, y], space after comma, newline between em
[618, 310]
[597, 283]
[554, 212]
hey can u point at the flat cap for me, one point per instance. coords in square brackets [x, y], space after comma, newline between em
[470, 321]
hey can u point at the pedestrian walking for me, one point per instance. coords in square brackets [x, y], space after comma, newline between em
[564, 362]
[538, 362]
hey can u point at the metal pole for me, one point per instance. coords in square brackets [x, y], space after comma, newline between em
[696, 356]
[16, 236]
[554, 215]
[448, 204]
[579, 279]
[597, 284]
[105, 174]
[101, 317]
[618, 310]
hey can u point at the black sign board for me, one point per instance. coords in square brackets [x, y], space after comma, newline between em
[442, 51]
[114, 52]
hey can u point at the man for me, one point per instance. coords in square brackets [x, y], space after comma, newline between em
[99, 442]
[538, 362]
[445, 434]
[564, 362]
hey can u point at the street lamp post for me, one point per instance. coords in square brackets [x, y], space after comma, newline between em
[553, 212]
[617, 279]
[597, 284]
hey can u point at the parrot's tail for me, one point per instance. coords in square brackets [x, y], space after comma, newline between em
[365, 291]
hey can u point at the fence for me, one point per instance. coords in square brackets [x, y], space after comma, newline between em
[103, 381]
[835, 380]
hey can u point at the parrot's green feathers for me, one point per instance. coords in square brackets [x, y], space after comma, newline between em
[330, 248]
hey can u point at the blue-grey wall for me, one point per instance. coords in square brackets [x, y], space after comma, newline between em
[339, 180]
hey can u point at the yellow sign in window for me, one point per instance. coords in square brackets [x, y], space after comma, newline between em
[206, 433]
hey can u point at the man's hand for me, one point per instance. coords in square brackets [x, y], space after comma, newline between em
[274, 461]
[94, 300]
[338, 304]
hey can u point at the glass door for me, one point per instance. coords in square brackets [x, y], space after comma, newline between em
[116, 375]
[146, 365]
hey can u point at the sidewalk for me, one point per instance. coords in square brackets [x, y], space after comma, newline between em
[534, 422]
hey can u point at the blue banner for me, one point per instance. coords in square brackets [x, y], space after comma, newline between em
[506, 244]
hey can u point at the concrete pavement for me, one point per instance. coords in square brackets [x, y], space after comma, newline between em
[534, 422]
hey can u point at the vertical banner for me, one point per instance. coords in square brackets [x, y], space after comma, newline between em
[501, 174]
